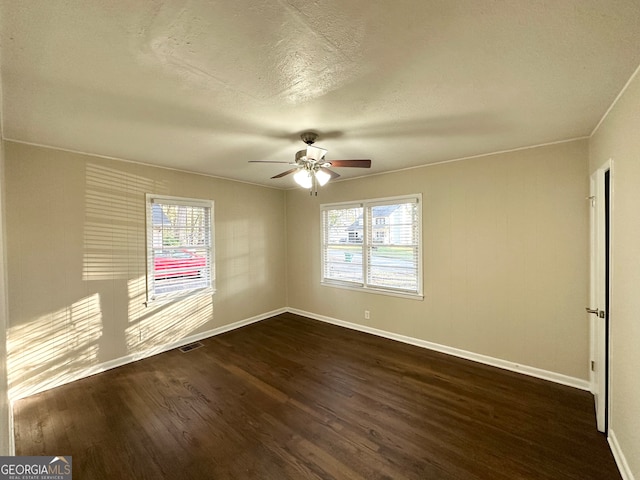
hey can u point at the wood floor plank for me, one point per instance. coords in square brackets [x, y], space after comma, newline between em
[293, 398]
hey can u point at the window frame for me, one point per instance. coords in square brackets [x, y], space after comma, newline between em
[368, 240]
[152, 296]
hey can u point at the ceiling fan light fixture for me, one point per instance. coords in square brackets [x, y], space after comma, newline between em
[322, 177]
[303, 178]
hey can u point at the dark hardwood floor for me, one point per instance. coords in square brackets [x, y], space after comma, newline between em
[293, 398]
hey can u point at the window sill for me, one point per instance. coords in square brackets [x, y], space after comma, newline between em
[376, 291]
[164, 299]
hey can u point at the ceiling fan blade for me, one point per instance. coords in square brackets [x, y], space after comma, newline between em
[315, 153]
[350, 163]
[330, 172]
[285, 173]
[265, 161]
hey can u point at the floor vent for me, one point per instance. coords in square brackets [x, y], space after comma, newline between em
[191, 346]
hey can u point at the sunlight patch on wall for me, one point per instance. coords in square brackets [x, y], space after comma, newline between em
[53, 348]
[114, 227]
[152, 328]
[137, 289]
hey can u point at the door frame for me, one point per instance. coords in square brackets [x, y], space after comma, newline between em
[599, 284]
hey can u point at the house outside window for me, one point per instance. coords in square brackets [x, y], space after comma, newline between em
[373, 245]
[179, 247]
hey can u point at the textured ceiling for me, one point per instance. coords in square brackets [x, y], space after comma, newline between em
[206, 86]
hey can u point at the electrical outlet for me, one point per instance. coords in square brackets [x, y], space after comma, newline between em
[367, 316]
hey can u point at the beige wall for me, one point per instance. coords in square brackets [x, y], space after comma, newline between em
[505, 260]
[505, 257]
[76, 247]
[618, 139]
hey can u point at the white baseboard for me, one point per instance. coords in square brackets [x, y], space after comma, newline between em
[117, 362]
[476, 357]
[186, 340]
[619, 457]
[496, 362]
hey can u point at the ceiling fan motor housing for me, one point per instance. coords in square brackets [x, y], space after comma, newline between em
[309, 137]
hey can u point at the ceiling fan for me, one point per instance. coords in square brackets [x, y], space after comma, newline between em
[311, 169]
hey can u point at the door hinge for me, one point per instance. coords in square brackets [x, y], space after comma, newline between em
[593, 366]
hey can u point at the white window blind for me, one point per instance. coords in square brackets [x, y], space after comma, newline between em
[374, 244]
[179, 247]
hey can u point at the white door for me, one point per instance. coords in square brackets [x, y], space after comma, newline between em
[597, 309]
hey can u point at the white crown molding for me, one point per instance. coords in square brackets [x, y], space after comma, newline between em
[615, 101]
[135, 162]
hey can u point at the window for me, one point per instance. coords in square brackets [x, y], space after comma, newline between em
[179, 247]
[373, 245]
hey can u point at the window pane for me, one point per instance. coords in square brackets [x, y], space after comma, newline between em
[179, 225]
[344, 225]
[343, 263]
[343, 233]
[392, 247]
[180, 269]
[394, 224]
[393, 267]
